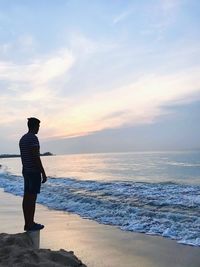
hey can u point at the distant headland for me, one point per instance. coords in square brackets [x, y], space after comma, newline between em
[17, 156]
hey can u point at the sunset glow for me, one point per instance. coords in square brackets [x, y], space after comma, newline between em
[96, 66]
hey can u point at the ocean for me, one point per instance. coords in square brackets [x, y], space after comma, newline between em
[156, 193]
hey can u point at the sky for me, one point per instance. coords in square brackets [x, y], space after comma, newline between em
[101, 75]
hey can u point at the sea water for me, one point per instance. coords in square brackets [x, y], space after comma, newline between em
[156, 193]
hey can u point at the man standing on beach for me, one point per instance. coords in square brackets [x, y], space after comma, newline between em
[32, 171]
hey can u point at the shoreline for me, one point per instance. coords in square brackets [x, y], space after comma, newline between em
[19, 248]
[95, 244]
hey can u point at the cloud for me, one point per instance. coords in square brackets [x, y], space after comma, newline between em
[4, 48]
[170, 5]
[83, 46]
[162, 16]
[32, 90]
[22, 47]
[122, 16]
[39, 71]
[27, 87]
[138, 103]
[27, 40]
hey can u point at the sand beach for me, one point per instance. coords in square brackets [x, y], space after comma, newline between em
[94, 244]
[19, 250]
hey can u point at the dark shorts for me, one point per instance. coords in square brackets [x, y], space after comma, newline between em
[32, 182]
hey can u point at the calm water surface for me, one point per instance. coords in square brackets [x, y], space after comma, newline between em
[181, 167]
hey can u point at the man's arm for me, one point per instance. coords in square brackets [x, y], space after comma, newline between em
[36, 155]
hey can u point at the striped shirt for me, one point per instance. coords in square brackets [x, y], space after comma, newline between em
[26, 143]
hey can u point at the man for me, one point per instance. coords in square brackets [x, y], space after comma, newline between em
[32, 171]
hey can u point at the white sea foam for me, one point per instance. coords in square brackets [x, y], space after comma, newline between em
[182, 164]
[167, 209]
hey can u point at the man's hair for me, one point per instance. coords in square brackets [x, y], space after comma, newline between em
[32, 123]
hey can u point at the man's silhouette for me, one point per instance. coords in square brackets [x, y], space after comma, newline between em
[32, 171]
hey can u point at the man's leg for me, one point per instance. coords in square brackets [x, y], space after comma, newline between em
[28, 204]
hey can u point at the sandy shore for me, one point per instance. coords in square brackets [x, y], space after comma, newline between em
[97, 245]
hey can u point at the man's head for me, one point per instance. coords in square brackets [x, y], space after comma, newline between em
[33, 125]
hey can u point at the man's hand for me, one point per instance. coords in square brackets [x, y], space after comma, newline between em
[44, 178]
[36, 156]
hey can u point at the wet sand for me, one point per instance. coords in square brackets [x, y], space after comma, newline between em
[94, 244]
